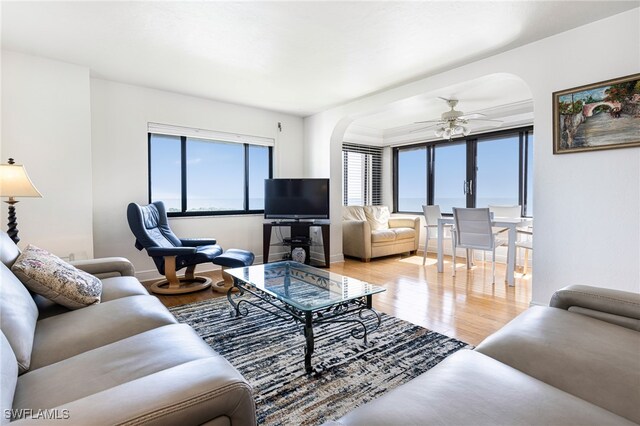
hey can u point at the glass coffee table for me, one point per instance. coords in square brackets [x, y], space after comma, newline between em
[307, 295]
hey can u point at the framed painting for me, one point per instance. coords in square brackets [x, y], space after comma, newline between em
[602, 115]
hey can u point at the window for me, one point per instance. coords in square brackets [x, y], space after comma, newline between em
[486, 169]
[199, 176]
[362, 173]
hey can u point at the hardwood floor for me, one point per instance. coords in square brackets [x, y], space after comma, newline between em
[467, 307]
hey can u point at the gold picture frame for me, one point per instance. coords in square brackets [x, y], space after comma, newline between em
[603, 115]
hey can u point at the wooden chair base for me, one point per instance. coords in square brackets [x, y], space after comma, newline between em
[186, 285]
[224, 285]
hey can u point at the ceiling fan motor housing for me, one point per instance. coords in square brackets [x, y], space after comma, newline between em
[451, 115]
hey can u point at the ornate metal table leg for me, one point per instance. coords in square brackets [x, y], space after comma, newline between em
[308, 334]
[235, 308]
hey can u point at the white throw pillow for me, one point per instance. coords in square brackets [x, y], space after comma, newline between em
[378, 217]
[353, 213]
[55, 279]
[18, 317]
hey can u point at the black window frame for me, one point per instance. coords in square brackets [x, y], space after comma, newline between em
[471, 164]
[183, 179]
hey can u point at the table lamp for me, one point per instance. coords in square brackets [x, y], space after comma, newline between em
[15, 182]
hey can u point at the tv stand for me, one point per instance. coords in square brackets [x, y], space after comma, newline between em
[299, 237]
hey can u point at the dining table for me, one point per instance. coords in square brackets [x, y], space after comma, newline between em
[511, 223]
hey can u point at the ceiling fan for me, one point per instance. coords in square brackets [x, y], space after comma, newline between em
[454, 123]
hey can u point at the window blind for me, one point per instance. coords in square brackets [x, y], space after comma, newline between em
[362, 175]
[191, 132]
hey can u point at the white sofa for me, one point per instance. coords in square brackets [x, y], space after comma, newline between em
[371, 231]
[575, 362]
[125, 360]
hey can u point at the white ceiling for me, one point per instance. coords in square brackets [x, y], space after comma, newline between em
[295, 57]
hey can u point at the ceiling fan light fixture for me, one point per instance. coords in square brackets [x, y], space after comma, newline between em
[454, 122]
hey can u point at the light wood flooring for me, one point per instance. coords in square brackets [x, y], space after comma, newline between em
[467, 307]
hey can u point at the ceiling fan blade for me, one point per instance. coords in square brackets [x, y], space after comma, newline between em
[472, 116]
[423, 128]
[427, 121]
[484, 119]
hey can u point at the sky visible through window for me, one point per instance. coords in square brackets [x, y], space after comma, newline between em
[165, 171]
[450, 175]
[258, 172]
[412, 179]
[498, 172]
[215, 175]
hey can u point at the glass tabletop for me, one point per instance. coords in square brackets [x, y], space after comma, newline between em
[303, 287]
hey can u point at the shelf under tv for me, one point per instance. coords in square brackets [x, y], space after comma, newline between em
[300, 237]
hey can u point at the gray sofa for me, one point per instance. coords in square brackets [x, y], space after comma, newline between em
[576, 362]
[125, 360]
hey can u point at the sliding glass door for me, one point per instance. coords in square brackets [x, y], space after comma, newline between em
[412, 176]
[497, 171]
[483, 170]
[450, 175]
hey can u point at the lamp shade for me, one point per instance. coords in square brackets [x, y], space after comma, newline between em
[15, 182]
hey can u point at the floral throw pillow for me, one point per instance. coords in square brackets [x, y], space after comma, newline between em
[48, 275]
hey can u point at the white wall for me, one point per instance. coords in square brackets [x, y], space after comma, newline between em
[46, 125]
[119, 115]
[587, 204]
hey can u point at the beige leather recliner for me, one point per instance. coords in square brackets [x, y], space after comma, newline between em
[371, 231]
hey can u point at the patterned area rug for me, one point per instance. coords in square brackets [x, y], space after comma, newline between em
[269, 353]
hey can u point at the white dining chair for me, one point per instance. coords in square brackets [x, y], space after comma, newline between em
[472, 231]
[431, 215]
[526, 244]
[506, 211]
[503, 211]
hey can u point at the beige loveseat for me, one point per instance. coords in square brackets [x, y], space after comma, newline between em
[370, 231]
[125, 360]
[576, 362]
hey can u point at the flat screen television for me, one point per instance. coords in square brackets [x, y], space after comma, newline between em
[296, 199]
